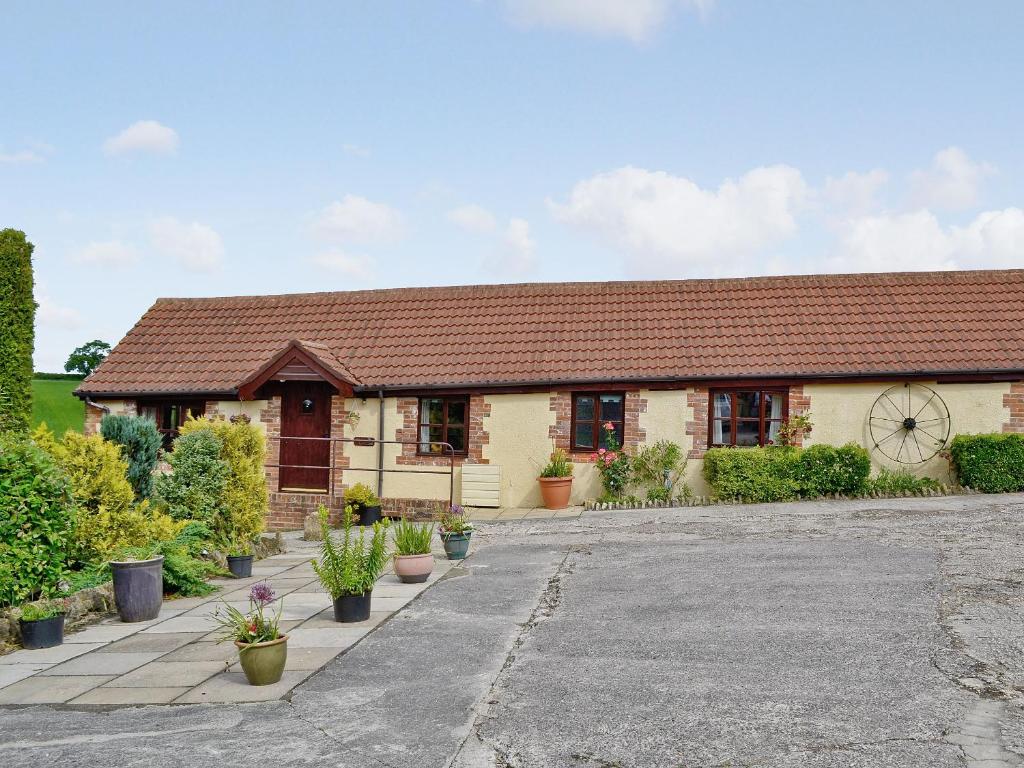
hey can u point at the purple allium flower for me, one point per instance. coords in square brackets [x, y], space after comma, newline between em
[458, 511]
[261, 593]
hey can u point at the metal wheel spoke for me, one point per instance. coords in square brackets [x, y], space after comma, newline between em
[884, 418]
[926, 421]
[924, 406]
[933, 437]
[898, 409]
[900, 451]
[919, 451]
[895, 431]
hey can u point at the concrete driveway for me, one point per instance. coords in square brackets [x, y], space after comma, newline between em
[872, 633]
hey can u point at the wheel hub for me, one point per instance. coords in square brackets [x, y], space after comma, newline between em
[909, 422]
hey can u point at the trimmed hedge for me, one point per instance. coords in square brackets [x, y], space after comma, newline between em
[17, 331]
[780, 473]
[989, 463]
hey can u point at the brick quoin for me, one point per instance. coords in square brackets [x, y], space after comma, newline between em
[409, 410]
[799, 403]
[697, 400]
[1014, 402]
[633, 435]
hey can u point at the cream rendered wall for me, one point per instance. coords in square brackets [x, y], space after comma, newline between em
[665, 419]
[363, 456]
[839, 413]
[250, 408]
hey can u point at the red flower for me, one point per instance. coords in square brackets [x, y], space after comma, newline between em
[609, 426]
[601, 451]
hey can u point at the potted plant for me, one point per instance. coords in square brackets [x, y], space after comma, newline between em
[455, 530]
[262, 649]
[413, 561]
[138, 584]
[364, 502]
[42, 624]
[349, 569]
[240, 557]
[556, 481]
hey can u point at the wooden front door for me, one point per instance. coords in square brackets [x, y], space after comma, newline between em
[305, 412]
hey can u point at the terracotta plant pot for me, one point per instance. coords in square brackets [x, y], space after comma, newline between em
[349, 608]
[43, 633]
[138, 588]
[456, 545]
[555, 491]
[413, 569]
[263, 663]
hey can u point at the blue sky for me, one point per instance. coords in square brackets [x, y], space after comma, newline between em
[182, 150]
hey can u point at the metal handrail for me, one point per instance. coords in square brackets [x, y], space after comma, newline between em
[370, 442]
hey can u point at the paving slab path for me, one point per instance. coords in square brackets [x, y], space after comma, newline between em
[868, 633]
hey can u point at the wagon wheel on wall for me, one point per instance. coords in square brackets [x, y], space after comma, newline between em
[909, 423]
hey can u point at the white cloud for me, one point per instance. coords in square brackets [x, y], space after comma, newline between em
[952, 183]
[473, 218]
[36, 152]
[143, 136]
[356, 266]
[918, 241]
[855, 193]
[519, 246]
[355, 219]
[110, 252]
[53, 315]
[634, 20]
[675, 226]
[194, 246]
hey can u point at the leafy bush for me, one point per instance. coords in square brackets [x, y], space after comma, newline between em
[990, 463]
[753, 474]
[658, 469]
[413, 538]
[17, 331]
[140, 442]
[195, 488]
[613, 465]
[185, 571]
[36, 519]
[823, 470]
[353, 566]
[558, 466]
[245, 489]
[361, 496]
[890, 483]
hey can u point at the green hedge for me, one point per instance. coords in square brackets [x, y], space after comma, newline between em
[990, 463]
[779, 473]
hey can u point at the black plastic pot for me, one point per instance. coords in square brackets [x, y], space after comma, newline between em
[240, 566]
[349, 608]
[138, 589]
[369, 515]
[44, 633]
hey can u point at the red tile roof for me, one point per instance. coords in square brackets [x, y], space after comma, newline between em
[816, 325]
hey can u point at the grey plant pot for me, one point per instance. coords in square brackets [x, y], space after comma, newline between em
[138, 588]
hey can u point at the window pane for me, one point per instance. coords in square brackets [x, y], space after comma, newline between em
[772, 431]
[721, 432]
[584, 437]
[748, 405]
[431, 410]
[773, 405]
[457, 438]
[747, 432]
[723, 405]
[428, 435]
[611, 407]
[456, 411]
[603, 441]
[584, 408]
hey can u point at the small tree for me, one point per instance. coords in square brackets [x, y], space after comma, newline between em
[17, 334]
[140, 443]
[86, 358]
[195, 488]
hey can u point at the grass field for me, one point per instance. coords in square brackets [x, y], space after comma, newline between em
[53, 403]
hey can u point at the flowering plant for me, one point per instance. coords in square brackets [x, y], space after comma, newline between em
[252, 627]
[454, 521]
[612, 462]
[558, 466]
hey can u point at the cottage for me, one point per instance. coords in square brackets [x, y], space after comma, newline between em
[466, 390]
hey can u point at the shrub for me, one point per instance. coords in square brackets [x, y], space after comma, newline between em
[184, 570]
[36, 518]
[658, 469]
[558, 465]
[352, 566]
[824, 470]
[753, 474]
[140, 443]
[413, 538]
[892, 483]
[195, 488]
[361, 496]
[245, 489]
[17, 334]
[990, 463]
[613, 465]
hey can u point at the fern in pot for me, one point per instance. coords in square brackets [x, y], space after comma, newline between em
[349, 568]
[413, 561]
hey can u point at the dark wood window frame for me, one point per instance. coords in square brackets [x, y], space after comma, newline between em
[422, 420]
[734, 419]
[168, 429]
[597, 421]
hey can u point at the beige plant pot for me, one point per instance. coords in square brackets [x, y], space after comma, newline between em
[555, 491]
[413, 569]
